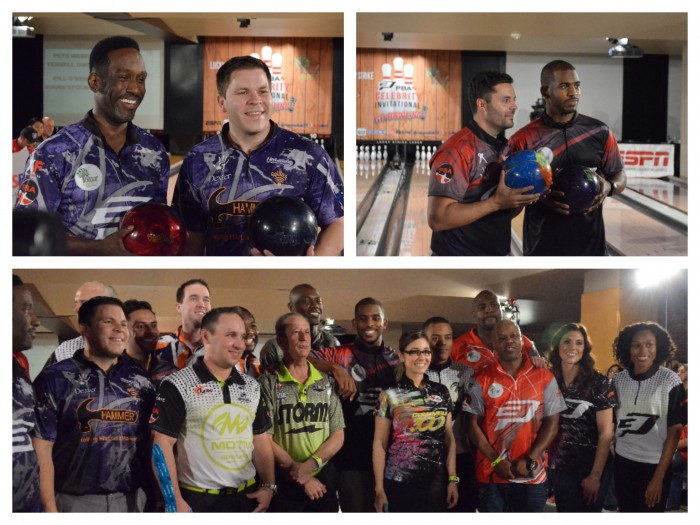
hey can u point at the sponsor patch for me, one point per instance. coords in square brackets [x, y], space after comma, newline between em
[203, 389]
[88, 177]
[435, 398]
[444, 173]
[495, 391]
[474, 356]
[28, 192]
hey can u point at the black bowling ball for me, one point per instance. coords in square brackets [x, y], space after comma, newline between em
[580, 186]
[283, 226]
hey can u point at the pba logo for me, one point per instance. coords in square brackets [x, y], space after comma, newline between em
[444, 173]
[28, 192]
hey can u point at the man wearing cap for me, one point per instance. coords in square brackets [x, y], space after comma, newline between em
[28, 137]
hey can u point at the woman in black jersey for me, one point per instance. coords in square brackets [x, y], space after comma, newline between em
[580, 463]
[651, 413]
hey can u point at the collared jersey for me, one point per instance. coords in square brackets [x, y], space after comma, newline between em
[512, 410]
[463, 169]
[77, 176]
[582, 141]
[173, 349]
[648, 405]
[373, 370]
[271, 354]
[214, 423]
[303, 415]
[219, 186]
[455, 376]
[575, 446]
[25, 468]
[470, 350]
[418, 417]
[97, 423]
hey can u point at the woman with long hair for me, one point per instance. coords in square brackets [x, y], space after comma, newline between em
[650, 416]
[580, 463]
[414, 452]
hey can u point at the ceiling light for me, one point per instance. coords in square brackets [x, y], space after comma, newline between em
[623, 49]
[515, 36]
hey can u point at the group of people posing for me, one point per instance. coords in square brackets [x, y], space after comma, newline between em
[124, 419]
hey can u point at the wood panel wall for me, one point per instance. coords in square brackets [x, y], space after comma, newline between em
[307, 71]
[437, 81]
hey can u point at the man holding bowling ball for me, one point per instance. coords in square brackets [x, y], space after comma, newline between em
[92, 172]
[469, 205]
[224, 178]
[568, 138]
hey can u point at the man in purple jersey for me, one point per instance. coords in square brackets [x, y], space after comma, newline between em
[92, 410]
[568, 138]
[224, 178]
[92, 172]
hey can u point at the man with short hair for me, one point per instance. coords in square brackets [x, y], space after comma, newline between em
[224, 178]
[192, 303]
[304, 299]
[143, 340]
[92, 412]
[27, 138]
[49, 127]
[218, 420]
[513, 417]
[94, 171]
[568, 138]
[25, 467]
[469, 205]
[474, 348]
[455, 376]
[249, 363]
[372, 367]
[307, 423]
[85, 292]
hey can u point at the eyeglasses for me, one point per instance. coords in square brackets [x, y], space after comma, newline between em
[414, 353]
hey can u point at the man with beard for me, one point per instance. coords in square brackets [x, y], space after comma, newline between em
[513, 417]
[455, 376]
[143, 340]
[304, 300]
[25, 467]
[372, 365]
[469, 205]
[568, 138]
[94, 171]
[92, 415]
[474, 348]
[85, 291]
[193, 303]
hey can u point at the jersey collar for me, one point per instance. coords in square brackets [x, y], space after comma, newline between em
[205, 376]
[549, 121]
[499, 142]
[226, 137]
[646, 375]
[90, 124]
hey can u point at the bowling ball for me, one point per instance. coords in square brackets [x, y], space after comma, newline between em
[580, 186]
[283, 225]
[528, 168]
[157, 230]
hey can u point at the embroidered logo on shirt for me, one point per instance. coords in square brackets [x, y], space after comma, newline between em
[279, 176]
[87, 416]
[219, 210]
[444, 173]
[28, 192]
[88, 177]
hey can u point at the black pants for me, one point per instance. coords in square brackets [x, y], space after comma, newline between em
[424, 495]
[292, 498]
[631, 480]
[220, 502]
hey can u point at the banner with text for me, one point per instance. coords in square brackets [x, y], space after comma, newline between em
[647, 160]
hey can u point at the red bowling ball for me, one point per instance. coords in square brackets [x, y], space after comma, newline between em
[157, 230]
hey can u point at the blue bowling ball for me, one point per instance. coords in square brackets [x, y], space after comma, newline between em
[528, 168]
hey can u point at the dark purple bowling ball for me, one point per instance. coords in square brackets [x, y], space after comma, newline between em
[580, 186]
[283, 225]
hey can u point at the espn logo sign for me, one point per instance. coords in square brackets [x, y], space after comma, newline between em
[519, 411]
[645, 158]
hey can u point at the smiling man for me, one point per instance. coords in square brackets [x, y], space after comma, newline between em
[92, 411]
[92, 172]
[223, 179]
[469, 204]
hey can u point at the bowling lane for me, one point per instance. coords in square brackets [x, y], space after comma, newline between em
[415, 238]
[632, 233]
[670, 192]
[367, 172]
[371, 231]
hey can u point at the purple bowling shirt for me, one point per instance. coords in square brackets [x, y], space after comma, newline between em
[219, 186]
[77, 176]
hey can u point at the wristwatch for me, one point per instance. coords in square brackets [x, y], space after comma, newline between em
[613, 189]
[270, 486]
[530, 464]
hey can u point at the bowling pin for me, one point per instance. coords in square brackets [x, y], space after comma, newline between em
[267, 56]
[373, 154]
[398, 70]
[357, 153]
[385, 153]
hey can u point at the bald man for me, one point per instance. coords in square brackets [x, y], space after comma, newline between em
[84, 293]
[49, 127]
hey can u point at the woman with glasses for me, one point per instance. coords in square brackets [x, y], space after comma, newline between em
[414, 453]
[580, 461]
[650, 416]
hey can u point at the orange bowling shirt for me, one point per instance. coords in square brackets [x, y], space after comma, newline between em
[470, 350]
[512, 408]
